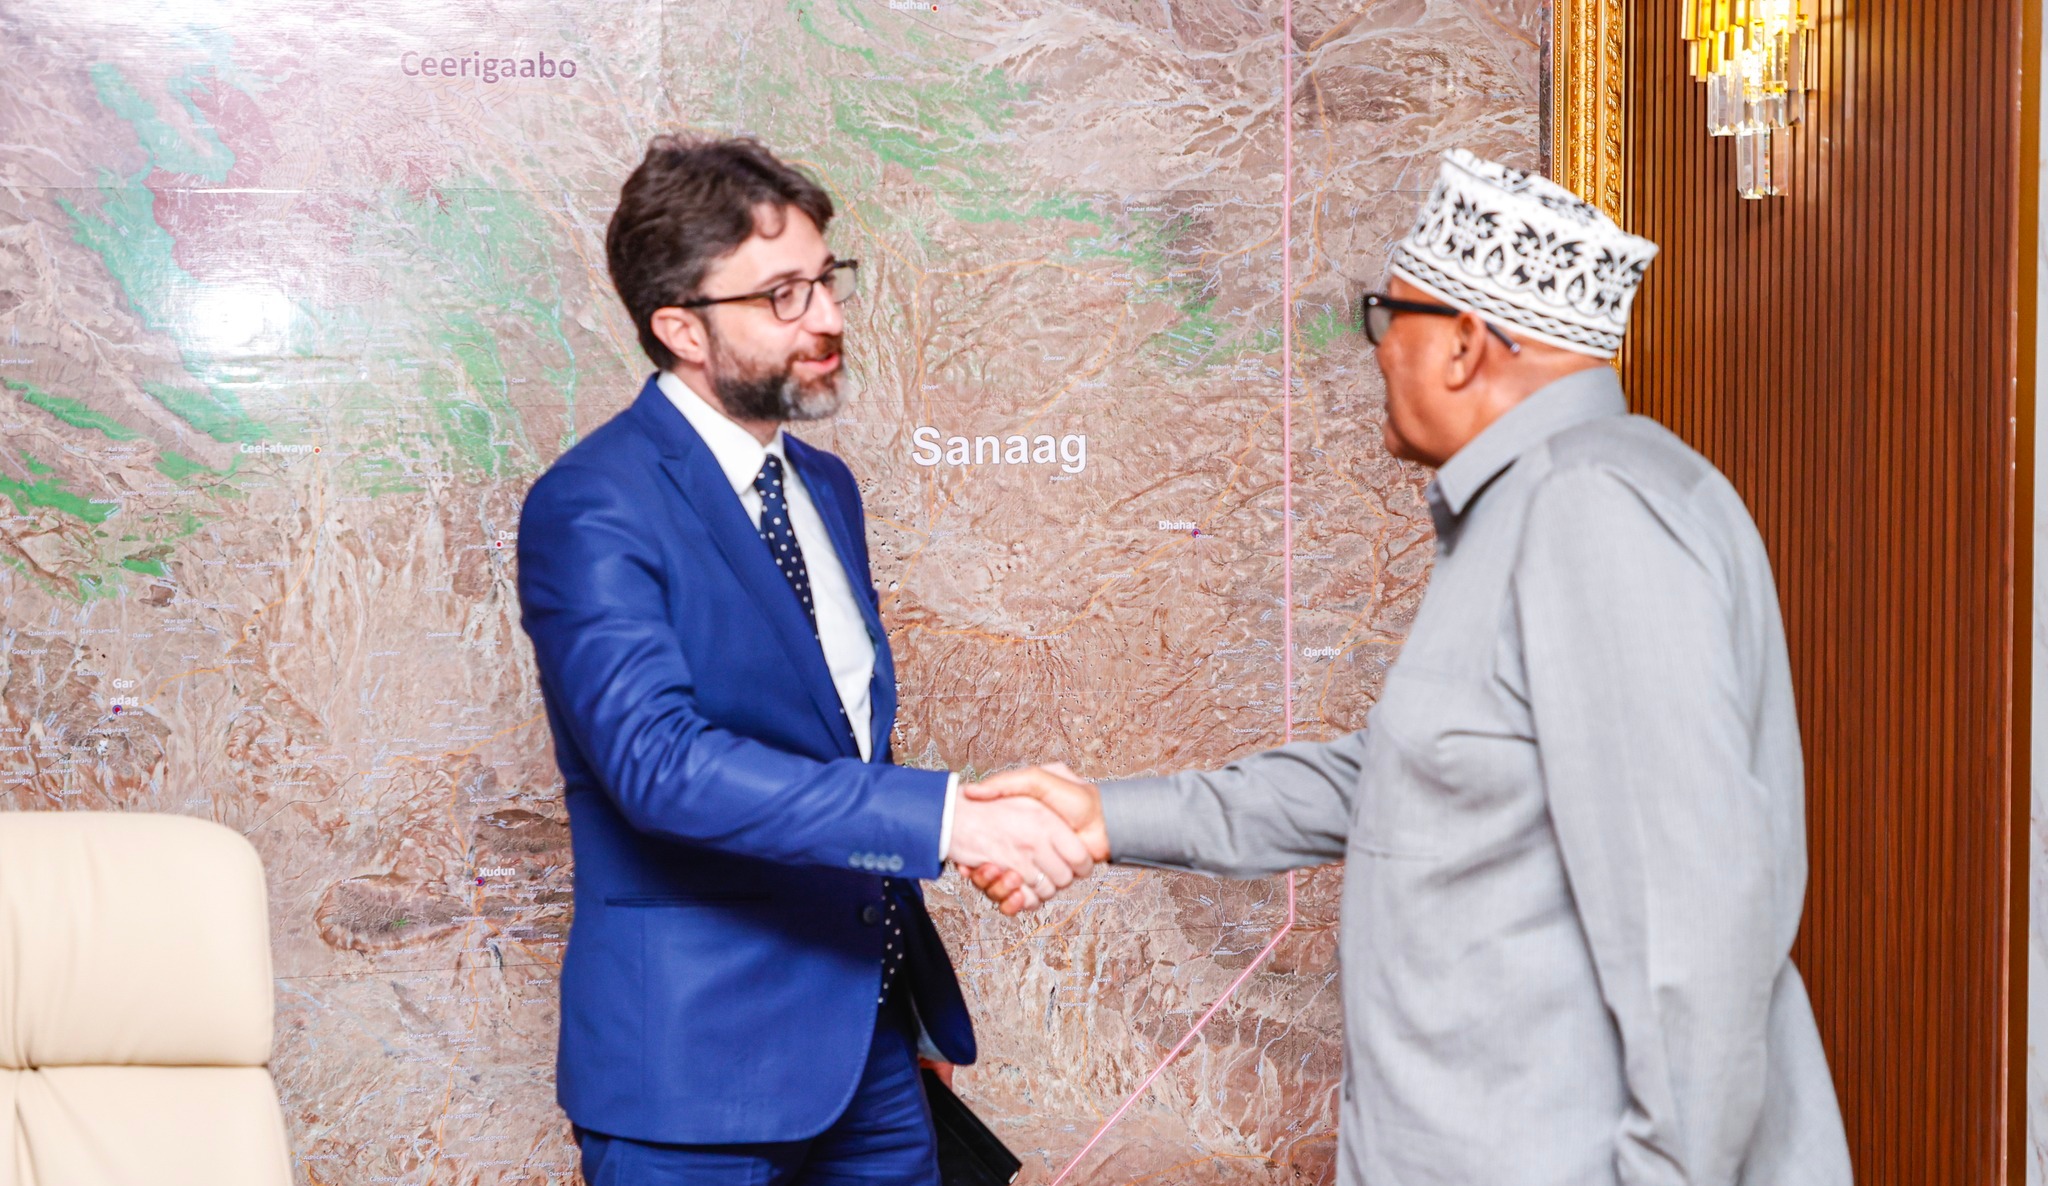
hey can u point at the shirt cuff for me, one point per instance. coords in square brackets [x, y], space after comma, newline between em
[946, 819]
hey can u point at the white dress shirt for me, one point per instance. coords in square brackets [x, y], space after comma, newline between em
[849, 651]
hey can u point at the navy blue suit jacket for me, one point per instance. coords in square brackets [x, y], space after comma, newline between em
[722, 970]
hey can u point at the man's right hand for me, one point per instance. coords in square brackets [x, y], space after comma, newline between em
[1077, 801]
[1020, 835]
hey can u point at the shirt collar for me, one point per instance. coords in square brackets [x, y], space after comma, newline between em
[738, 454]
[1569, 402]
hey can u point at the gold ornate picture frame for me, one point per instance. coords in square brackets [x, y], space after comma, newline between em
[1584, 65]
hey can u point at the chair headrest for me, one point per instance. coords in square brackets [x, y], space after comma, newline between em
[131, 939]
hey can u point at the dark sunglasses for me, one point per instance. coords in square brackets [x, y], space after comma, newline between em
[1377, 311]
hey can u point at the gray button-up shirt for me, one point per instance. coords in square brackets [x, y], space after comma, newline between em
[1573, 833]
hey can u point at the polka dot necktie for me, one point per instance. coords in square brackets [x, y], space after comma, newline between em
[780, 535]
[892, 942]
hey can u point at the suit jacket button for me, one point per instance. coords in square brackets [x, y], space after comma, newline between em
[871, 914]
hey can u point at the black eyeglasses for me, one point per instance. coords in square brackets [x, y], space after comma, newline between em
[791, 299]
[1377, 311]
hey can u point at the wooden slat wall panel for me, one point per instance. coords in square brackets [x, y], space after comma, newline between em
[1847, 355]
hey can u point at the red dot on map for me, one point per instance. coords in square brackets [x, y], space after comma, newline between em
[117, 708]
[316, 448]
[1195, 532]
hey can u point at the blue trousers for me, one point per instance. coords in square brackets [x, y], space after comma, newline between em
[884, 1138]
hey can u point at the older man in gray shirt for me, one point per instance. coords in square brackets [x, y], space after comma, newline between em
[1573, 828]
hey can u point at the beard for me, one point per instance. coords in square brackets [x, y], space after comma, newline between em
[771, 391]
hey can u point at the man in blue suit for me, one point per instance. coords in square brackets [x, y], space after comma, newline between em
[751, 973]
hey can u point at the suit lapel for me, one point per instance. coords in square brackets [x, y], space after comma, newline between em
[843, 523]
[884, 718]
[695, 473]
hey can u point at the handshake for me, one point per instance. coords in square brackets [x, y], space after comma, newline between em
[1024, 835]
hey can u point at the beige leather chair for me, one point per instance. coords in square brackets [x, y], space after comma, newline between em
[135, 1005]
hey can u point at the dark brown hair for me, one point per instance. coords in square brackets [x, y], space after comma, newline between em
[692, 202]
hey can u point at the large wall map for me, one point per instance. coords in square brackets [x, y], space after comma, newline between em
[297, 298]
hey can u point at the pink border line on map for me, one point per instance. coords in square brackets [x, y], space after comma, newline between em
[1286, 554]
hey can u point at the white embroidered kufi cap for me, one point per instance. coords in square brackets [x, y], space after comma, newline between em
[1526, 254]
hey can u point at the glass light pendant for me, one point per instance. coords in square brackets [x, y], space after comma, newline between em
[1752, 56]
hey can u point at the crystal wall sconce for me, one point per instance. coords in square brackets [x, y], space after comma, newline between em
[1752, 56]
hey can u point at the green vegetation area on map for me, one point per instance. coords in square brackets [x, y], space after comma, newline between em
[1327, 326]
[136, 251]
[51, 493]
[216, 413]
[149, 561]
[947, 124]
[200, 155]
[71, 412]
[490, 290]
[463, 259]
[180, 468]
[42, 489]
